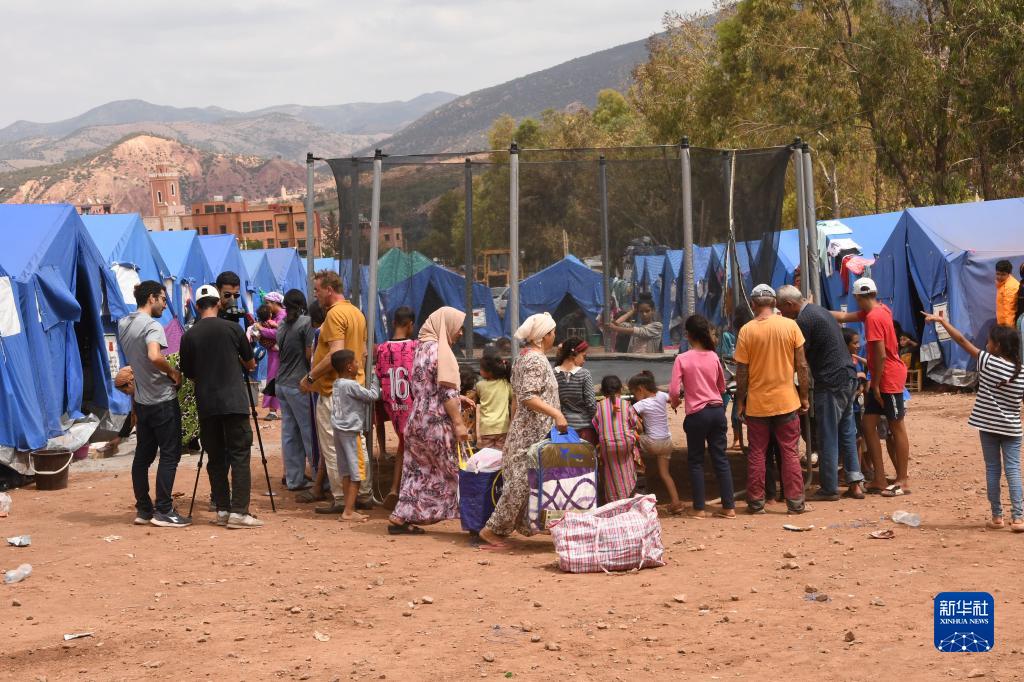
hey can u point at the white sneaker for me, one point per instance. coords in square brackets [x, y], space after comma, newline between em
[238, 521]
[141, 520]
[222, 518]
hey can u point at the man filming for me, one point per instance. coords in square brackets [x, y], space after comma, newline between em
[214, 353]
[229, 289]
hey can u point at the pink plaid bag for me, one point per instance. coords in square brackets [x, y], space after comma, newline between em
[619, 536]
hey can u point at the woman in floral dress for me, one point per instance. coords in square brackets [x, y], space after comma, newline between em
[430, 477]
[535, 388]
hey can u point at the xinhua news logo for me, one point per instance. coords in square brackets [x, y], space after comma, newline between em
[965, 622]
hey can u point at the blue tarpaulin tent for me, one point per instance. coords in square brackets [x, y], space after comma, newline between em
[870, 232]
[788, 259]
[222, 254]
[546, 291]
[261, 276]
[288, 268]
[55, 289]
[946, 256]
[434, 287]
[189, 270]
[672, 304]
[344, 269]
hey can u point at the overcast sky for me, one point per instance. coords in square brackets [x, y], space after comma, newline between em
[62, 57]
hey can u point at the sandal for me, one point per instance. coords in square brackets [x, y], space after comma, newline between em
[887, 534]
[308, 497]
[998, 524]
[1017, 525]
[854, 492]
[405, 529]
[725, 514]
[676, 509]
[894, 490]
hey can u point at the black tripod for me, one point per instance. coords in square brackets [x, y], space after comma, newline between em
[259, 439]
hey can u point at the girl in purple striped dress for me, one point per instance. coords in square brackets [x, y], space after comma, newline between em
[616, 424]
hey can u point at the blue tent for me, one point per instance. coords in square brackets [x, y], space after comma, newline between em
[344, 269]
[434, 287]
[288, 268]
[189, 268]
[672, 303]
[55, 291]
[222, 254]
[261, 276]
[546, 290]
[788, 259]
[871, 233]
[946, 256]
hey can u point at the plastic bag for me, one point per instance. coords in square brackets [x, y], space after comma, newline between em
[5, 504]
[570, 436]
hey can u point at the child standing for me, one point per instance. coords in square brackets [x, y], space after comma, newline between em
[996, 414]
[698, 375]
[350, 416]
[615, 423]
[467, 392]
[656, 441]
[495, 406]
[393, 366]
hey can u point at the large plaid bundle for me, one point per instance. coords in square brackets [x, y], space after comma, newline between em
[619, 536]
[563, 477]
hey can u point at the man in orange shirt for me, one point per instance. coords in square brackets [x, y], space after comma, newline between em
[1007, 288]
[769, 349]
[344, 328]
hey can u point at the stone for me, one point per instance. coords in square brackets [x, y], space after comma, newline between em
[535, 638]
[790, 566]
[602, 626]
[680, 598]
[849, 636]
[976, 672]
[526, 626]
[734, 597]
[821, 596]
[489, 657]
[295, 609]
[789, 554]
[427, 600]
[810, 589]
[15, 602]
[553, 646]
[877, 601]
[406, 613]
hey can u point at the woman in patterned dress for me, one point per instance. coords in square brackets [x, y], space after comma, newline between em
[536, 392]
[430, 477]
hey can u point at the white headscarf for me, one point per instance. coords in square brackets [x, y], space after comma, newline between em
[535, 328]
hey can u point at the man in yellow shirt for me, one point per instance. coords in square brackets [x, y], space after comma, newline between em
[769, 350]
[344, 328]
[1007, 288]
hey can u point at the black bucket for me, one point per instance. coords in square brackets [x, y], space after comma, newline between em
[51, 468]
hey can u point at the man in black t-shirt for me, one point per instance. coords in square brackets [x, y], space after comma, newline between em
[835, 389]
[214, 353]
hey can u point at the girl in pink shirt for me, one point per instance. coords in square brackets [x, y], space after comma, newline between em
[697, 376]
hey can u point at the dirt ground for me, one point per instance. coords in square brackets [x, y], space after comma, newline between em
[312, 598]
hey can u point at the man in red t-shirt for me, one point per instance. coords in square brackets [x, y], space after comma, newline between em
[885, 391]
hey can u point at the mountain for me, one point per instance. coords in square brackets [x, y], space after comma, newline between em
[463, 122]
[119, 174]
[362, 117]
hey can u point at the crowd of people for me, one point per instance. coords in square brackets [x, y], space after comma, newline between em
[791, 370]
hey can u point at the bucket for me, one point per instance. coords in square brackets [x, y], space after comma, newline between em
[51, 468]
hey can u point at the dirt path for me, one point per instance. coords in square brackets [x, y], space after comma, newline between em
[310, 597]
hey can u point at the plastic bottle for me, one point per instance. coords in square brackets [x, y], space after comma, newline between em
[906, 518]
[5, 504]
[18, 574]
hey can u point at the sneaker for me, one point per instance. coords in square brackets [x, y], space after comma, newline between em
[756, 507]
[171, 520]
[212, 507]
[238, 521]
[794, 507]
[221, 519]
[142, 519]
[271, 416]
[822, 496]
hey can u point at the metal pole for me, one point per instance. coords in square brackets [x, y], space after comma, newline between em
[513, 242]
[353, 212]
[310, 224]
[688, 275]
[606, 256]
[811, 218]
[372, 311]
[467, 334]
[801, 207]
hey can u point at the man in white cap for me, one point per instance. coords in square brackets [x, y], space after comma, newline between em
[885, 389]
[214, 353]
[769, 349]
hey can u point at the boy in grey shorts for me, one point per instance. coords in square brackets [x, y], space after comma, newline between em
[350, 418]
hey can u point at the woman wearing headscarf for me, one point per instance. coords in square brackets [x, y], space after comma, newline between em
[535, 390]
[430, 477]
[268, 339]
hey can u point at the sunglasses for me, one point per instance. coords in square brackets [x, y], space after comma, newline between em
[228, 294]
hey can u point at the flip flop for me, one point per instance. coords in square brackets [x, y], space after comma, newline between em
[874, 491]
[882, 534]
[723, 515]
[849, 494]
[994, 525]
[405, 529]
[893, 491]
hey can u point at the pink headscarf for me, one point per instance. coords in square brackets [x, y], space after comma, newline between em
[443, 326]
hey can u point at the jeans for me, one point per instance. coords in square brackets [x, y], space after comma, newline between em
[296, 435]
[837, 431]
[708, 426]
[992, 446]
[786, 429]
[157, 427]
[228, 442]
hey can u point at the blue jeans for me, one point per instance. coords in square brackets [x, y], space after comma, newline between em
[837, 430]
[992, 446]
[296, 435]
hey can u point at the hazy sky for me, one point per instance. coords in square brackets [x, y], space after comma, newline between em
[62, 57]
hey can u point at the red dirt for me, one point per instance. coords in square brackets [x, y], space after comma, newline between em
[205, 601]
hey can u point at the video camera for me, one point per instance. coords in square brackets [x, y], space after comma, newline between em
[233, 313]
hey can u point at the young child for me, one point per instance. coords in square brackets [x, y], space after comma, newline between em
[726, 348]
[494, 399]
[996, 414]
[656, 441]
[350, 415]
[467, 391]
[615, 423]
[908, 347]
[393, 366]
[697, 375]
[852, 339]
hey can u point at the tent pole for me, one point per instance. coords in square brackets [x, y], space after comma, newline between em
[470, 272]
[371, 309]
[810, 216]
[513, 243]
[353, 212]
[311, 226]
[688, 275]
[801, 208]
[606, 264]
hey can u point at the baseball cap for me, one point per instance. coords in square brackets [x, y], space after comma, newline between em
[207, 291]
[864, 285]
[762, 291]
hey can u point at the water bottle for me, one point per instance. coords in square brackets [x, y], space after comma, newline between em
[18, 574]
[906, 518]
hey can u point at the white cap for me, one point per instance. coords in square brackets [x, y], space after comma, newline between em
[864, 285]
[762, 291]
[207, 291]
